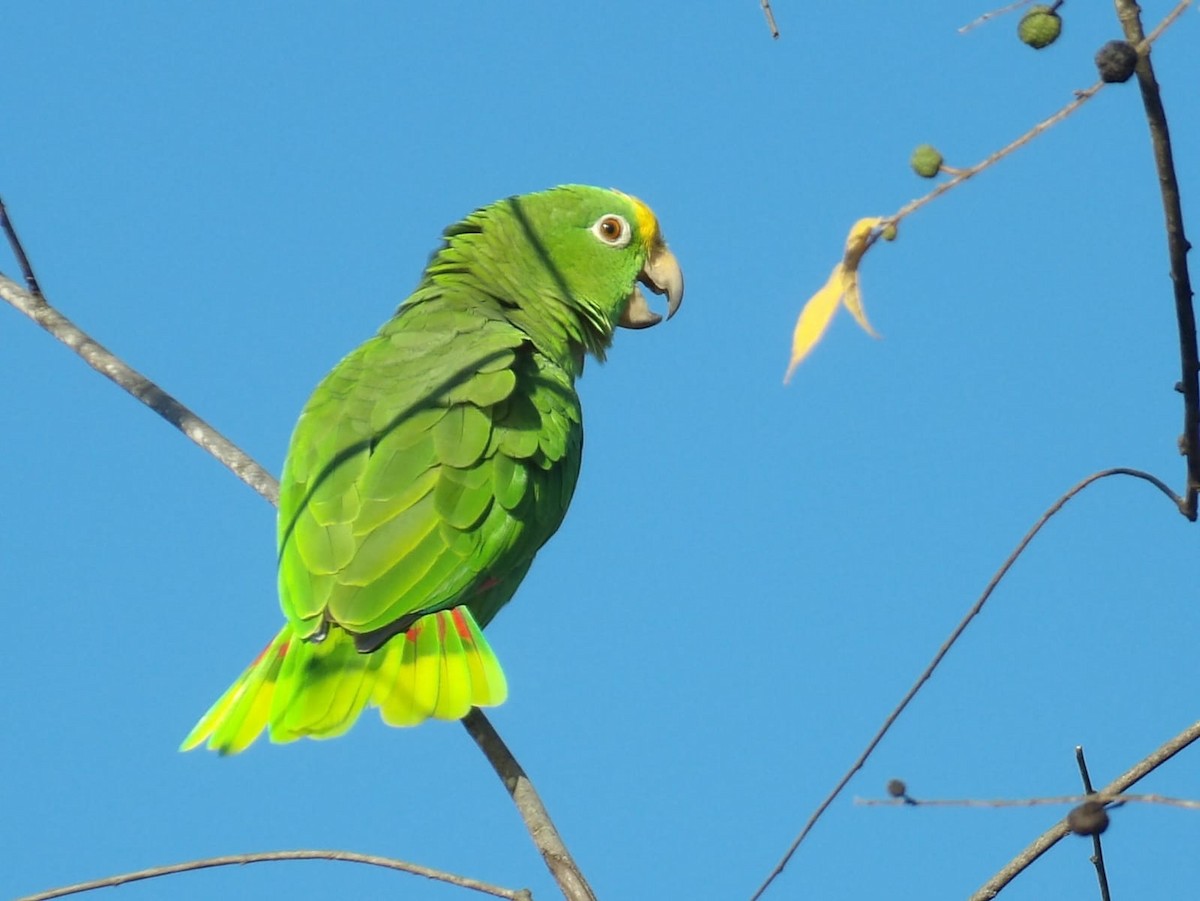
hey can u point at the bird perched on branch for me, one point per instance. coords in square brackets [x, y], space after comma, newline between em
[433, 462]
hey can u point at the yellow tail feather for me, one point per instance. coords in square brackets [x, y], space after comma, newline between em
[441, 667]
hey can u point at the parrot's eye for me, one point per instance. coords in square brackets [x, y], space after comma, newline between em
[612, 230]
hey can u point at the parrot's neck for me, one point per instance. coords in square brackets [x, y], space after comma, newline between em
[560, 339]
[562, 326]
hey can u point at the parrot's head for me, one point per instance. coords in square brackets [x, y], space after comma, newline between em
[575, 256]
[607, 245]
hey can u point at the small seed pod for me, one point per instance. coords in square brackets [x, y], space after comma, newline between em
[896, 788]
[926, 161]
[1116, 61]
[1040, 27]
[1089, 818]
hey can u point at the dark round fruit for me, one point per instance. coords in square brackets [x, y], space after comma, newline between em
[1116, 61]
[1089, 818]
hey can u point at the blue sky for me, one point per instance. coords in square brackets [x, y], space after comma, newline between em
[231, 196]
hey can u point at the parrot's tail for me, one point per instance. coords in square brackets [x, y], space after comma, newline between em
[440, 667]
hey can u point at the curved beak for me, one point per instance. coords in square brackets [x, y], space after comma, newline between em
[662, 275]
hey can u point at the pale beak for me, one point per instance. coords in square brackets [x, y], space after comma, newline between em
[662, 275]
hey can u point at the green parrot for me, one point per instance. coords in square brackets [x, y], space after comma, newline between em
[430, 466]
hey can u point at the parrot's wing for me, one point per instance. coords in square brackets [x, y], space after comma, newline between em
[425, 472]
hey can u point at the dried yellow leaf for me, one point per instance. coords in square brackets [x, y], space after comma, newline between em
[840, 288]
[815, 318]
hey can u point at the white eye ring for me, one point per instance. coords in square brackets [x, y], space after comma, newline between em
[613, 229]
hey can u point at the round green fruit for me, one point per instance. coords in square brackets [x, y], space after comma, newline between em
[1040, 27]
[926, 161]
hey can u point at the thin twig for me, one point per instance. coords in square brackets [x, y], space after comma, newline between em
[961, 175]
[18, 250]
[766, 8]
[1083, 770]
[1053, 835]
[1056, 800]
[1004, 10]
[533, 812]
[1167, 22]
[1097, 850]
[239, 859]
[537, 819]
[110, 366]
[945, 649]
[1177, 244]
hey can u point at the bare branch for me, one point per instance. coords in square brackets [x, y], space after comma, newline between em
[1167, 22]
[1053, 835]
[1177, 244]
[766, 8]
[1004, 10]
[267, 856]
[18, 250]
[1097, 850]
[537, 819]
[108, 365]
[945, 649]
[1119, 798]
[961, 175]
